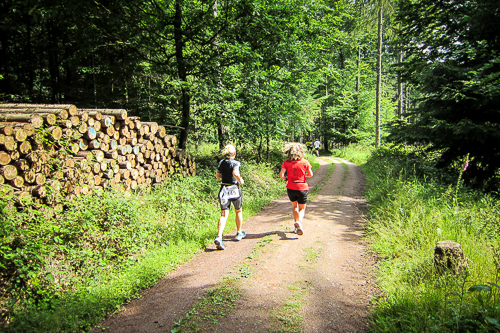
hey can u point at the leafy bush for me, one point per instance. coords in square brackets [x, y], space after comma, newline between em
[64, 271]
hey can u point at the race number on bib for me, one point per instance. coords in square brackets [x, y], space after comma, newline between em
[232, 192]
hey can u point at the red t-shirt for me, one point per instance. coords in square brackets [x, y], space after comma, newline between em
[296, 173]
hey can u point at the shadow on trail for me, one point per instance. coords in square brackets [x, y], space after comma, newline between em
[341, 201]
[282, 234]
[340, 296]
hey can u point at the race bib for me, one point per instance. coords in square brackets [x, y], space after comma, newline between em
[232, 192]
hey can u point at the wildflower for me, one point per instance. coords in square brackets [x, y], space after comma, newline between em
[466, 164]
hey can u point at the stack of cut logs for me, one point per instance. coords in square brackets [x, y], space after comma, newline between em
[57, 148]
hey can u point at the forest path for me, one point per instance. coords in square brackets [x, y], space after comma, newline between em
[319, 282]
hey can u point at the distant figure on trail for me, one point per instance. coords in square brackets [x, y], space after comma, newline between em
[294, 171]
[309, 146]
[317, 144]
[230, 192]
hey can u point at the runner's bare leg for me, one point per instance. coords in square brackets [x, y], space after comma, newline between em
[239, 219]
[222, 221]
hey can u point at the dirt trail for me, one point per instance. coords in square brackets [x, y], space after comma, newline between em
[322, 280]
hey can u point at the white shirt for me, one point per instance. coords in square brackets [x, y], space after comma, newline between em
[317, 143]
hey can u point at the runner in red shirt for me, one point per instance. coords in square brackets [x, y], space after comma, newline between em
[294, 171]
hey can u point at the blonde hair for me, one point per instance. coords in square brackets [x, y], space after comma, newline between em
[228, 151]
[294, 151]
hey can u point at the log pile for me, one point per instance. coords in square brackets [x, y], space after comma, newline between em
[58, 148]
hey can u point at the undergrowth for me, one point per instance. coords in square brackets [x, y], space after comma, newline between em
[356, 153]
[65, 271]
[412, 206]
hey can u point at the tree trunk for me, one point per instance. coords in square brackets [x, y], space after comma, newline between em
[5, 59]
[181, 70]
[53, 61]
[379, 78]
[222, 130]
[407, 98]
[400, 88]
[268, 141]
[358, 85]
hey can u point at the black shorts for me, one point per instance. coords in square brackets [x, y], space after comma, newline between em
[238, 203]
[299, 196]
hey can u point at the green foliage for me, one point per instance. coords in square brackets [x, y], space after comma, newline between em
[216, 303]
[409, 213]
[64, 271]
[246, 71]
[452, 59]
[356, 153]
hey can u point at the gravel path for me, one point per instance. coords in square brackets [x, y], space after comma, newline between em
[319, 282]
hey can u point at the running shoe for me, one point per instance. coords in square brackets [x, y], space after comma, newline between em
[240, 235]
[298, 228]
[218, 243]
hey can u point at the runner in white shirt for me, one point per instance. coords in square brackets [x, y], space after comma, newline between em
[317, 144]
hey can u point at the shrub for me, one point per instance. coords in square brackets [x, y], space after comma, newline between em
[65, 271]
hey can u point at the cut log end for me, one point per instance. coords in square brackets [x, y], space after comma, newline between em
[449, 257]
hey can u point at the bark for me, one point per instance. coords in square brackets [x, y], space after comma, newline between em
[379, 79]
[120, 114]
[60, 112]
[182, 72]
[70, 108]
[400, 88]
[358, 85]
[20, 117]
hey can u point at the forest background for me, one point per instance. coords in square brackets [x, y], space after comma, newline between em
[421, 75]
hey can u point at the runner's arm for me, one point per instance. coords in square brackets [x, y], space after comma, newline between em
[282, 173]
[236, 174]
[309, 171]
[218, 175]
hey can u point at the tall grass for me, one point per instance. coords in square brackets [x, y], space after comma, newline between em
[355, 153]
[66, 271]
[408, 214]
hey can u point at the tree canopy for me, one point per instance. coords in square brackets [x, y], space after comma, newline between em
[452, 57]
[254, 71]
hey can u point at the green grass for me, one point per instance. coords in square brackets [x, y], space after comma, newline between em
[312, 159]
[219, 300]
[65, 272]
[408, 215]
[357, 154]
[215, 303]
[319, 186]
[288, 319]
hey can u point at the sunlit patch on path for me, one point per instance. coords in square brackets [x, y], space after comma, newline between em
[318, 282]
